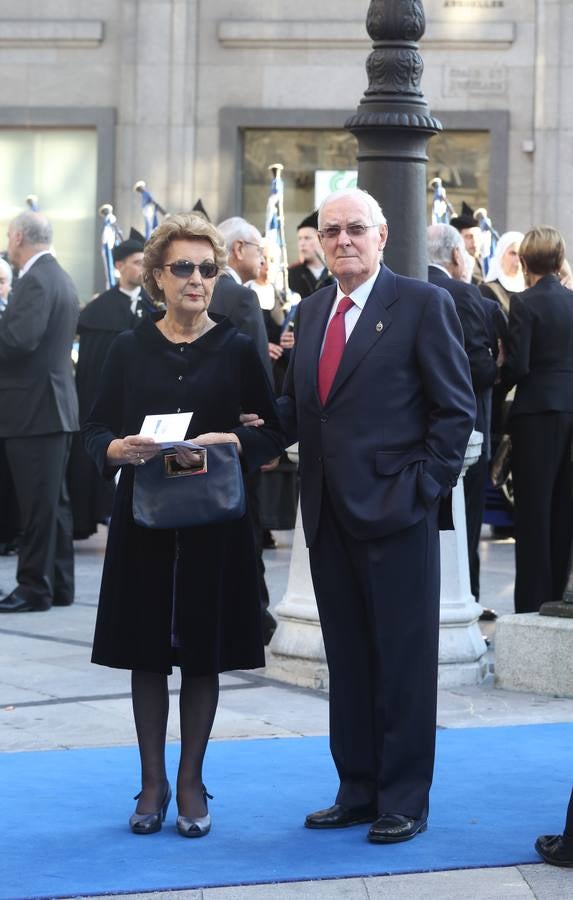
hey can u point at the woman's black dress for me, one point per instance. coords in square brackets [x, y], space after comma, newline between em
[189, 597]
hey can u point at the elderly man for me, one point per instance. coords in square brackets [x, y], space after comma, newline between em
[446, 269]
[230, 297]
[241, 304]
[38, 413]
[378, 393]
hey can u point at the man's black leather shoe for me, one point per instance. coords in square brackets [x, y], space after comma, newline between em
[16, 602]
[392, 828]
[341, 816]
[554, 850]
[62, 601]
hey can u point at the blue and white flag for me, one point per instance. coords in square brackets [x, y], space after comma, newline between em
[32, 202]
[441, 207]
[274, 207]
[489, 237]
[110, 236]
[149, 207]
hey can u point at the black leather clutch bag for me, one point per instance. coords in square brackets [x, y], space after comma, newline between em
[166, 495]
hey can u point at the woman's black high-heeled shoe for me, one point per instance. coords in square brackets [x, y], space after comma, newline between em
[149, 823]
[198, 827]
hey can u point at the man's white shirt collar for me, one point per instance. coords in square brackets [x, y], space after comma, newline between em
[28, 265]
[359, 295]
[233, 274]
[133, 295]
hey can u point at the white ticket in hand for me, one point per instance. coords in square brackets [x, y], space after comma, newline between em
[168, 429]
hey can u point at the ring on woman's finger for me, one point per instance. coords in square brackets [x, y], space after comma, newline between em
[141, 461]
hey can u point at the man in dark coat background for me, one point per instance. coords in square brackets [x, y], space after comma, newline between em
[378, 393]
[446, 267]
[470, 230]
[231, 298]
[8, 505]
[107, 315]
[310, 273]
[38, 413]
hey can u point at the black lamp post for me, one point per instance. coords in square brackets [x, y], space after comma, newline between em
[392, 125]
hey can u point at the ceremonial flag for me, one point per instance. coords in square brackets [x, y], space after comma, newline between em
[110, 236]
[150, 208]
[441, 207]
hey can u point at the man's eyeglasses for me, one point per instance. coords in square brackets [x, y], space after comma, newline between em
[354, 230]
[252, 244]
[182, 268]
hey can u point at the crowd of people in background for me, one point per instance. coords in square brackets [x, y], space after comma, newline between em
[515, 310]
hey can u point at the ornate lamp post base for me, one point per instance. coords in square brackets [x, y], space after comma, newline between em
[297, 649]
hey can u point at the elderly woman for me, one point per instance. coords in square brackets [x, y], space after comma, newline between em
[540, 364]
[187, 597]
[504, 276]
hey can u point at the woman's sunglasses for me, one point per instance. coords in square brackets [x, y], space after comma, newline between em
[184, 269]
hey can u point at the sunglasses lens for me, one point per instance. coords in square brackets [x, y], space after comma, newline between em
[185, 269]
[182, 269]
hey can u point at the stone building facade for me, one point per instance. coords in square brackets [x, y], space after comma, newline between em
[198, 98]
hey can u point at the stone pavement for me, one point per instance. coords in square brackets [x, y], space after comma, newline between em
[51, 697]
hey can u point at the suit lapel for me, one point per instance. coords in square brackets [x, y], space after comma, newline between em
[373, 323]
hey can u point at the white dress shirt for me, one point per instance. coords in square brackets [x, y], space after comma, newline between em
[359, 297]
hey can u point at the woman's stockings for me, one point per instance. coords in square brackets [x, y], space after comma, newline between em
[150, 708]
[197, 705]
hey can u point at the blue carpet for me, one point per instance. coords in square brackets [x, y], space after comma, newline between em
[64, 815]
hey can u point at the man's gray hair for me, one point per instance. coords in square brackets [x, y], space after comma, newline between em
[237, 229]
[441, 241]
[34, 227]
[377, 217]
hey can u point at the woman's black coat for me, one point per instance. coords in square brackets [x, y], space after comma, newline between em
[190, 597]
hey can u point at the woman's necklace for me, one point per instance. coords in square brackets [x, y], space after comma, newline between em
[178, 337]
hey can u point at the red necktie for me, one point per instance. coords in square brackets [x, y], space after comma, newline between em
[334, 344]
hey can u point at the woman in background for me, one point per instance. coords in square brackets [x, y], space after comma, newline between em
[504, 276]
[540, 365]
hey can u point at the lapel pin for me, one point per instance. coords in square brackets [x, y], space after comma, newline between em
[379, 326]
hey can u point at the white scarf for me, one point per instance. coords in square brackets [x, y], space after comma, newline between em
[513, 284]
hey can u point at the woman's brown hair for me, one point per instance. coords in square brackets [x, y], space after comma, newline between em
[180, 227]
[543, 250]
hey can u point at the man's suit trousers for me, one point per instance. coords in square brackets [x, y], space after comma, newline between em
[46, 556]
[378, 603]
[475, 481]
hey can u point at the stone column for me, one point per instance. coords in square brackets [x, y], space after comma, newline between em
[297, 649]
[462, 647]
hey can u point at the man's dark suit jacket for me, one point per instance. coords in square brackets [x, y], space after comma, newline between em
[37, 392]
[101, 320]
[391, 437]
[477, 343]
[540, 356]
[304, 282]
[242, 307]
